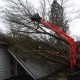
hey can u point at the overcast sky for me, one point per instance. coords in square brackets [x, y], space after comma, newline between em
[74, 6]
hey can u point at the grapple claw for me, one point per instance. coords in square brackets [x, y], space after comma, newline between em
[35, 17]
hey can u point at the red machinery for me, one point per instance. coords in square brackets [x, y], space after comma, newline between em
[68, 39]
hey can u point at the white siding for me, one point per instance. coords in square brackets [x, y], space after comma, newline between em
[4, 64]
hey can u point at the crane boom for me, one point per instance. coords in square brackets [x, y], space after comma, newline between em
[62, 34]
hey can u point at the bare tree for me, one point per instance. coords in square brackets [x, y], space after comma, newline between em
[18, 14]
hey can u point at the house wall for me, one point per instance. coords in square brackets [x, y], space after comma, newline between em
[4, 63]
[10, 67]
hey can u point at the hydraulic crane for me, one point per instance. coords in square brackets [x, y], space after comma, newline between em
[72, 44]
[74, 48]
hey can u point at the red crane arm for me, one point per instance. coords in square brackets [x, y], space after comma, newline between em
[62, 34]
[65, 37]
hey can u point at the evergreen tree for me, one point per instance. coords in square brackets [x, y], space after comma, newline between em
[57, 16]
[57, 19]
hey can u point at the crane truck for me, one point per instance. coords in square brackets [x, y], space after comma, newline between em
[72, 44]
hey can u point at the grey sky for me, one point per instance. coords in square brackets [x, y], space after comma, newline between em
[74, 6]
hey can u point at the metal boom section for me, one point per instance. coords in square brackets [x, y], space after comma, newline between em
[62, 34]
